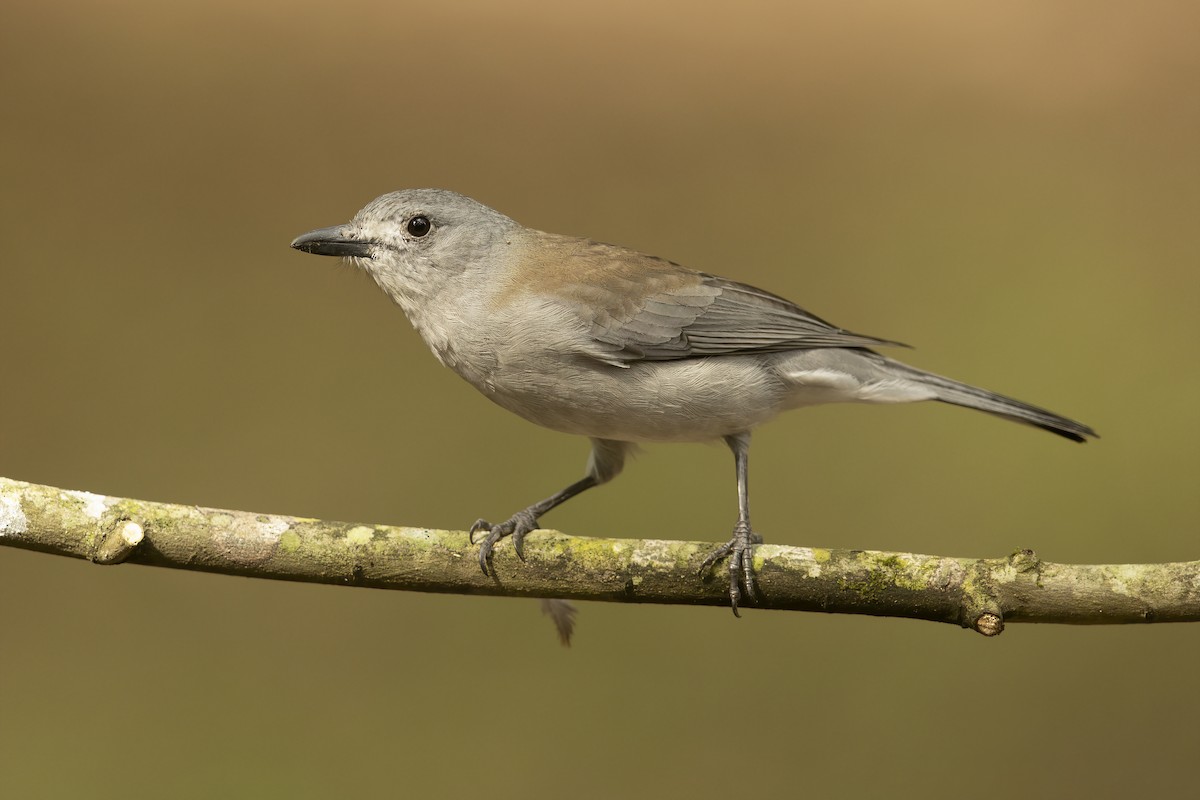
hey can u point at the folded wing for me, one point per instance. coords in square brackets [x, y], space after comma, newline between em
[680, 313]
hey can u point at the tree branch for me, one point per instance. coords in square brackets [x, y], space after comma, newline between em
[982, 594]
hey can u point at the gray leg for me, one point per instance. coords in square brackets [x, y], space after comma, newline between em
[739, 549]
[604, 463]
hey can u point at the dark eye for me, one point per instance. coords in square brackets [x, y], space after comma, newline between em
[419, 226]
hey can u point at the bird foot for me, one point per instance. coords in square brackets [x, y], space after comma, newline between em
[740, 551]
[516, 526]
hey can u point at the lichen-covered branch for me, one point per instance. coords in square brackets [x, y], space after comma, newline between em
[982, 594]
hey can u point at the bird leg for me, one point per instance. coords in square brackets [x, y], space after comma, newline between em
[521, 523]
[739, 549]
[606, 460]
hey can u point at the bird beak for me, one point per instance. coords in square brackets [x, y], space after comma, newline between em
[335, 241]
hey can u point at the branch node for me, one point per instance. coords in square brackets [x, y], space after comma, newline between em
[1025, 560]
[981, 609]
[119, 543]
[989, 624]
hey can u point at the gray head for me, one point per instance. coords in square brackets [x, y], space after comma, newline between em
[412, 240]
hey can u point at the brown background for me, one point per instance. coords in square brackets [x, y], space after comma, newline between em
[1012, 187]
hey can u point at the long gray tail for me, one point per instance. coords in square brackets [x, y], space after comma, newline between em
[962, 394]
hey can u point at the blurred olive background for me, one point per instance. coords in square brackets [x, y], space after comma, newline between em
[1010, 187]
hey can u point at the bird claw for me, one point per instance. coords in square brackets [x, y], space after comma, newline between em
[740, 552]
[516, 526]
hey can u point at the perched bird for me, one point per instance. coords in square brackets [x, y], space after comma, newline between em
[619, 346]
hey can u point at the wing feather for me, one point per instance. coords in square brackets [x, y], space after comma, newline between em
[725, 318]
[643, 308]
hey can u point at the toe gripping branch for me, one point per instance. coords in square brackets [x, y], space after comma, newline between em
[516, 526]
[740, 552]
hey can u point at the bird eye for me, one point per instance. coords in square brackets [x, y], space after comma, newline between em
[419, 226]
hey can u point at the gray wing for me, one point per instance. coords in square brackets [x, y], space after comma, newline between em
[710, 316]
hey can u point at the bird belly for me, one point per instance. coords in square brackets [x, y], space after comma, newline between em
[652, 401]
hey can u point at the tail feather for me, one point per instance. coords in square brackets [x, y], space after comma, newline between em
[963, 394]
[562, 613]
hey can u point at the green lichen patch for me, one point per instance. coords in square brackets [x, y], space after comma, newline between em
[360, 534]
[871, 574]
[289, 542]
